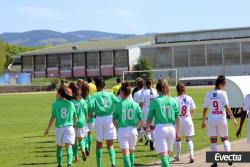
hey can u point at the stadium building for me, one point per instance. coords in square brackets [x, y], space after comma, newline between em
[193, 54]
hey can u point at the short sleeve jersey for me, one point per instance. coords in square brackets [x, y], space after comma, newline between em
[127, 113]
[137, 96]
[164, 110]
[116, 88]
[246, 105]
[91, 118]
[216, 100]
[102, 103]
[63, 111]
[147, 95]
[81, 112]
[92, 88]
[186, 105]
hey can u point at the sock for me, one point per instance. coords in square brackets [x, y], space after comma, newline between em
[178, 147]
[112, 155]
[165, 161]
[213, 145]
[226, 144]
[74, 146]
[132, 159]
[82, 145]
[152, 135]
[59, 155]
[69, 155]
[90, 141]
[190, 148]
[86, 142]
[140, 132]
[99, 157]
[126, 161]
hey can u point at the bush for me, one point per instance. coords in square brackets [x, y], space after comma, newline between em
[54, 83]
[143, 64]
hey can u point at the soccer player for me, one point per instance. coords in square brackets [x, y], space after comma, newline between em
[64, 113]
[102, 104]
[127, 116]
[136, 98]
[117, 87]
[92, 87]
[147, 95]
[165, 111]
[246, 108]
[217, 102]
[187, 107]
[81, 113]
[136, 88]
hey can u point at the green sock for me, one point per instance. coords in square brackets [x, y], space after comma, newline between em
[165, 161]
[126, 161]
[90, 141]
[132, 159]
[69, 155]
[99, 157]
[112, 155]
[86, 142]
[59, 155]
[82, 145]
[74, 149]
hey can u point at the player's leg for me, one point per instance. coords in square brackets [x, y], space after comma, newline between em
[89, 136]
[132, 144]
[151, 144]
[69, 140]
[99, 154]
[178, 144]
[75, 151]
[223, 133]
[190, 148]
[212, 131]
[69, 152]
[58, 137]
[99, 138]
[140, 132]
[111, 151]
[59, 155]
[81, 141]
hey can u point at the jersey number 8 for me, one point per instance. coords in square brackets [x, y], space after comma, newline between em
[63, 113]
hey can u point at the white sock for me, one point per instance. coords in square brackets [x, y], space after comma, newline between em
[178, 148]
[152, 135]
[190, 148]
[140, 133]
[213, 147]
[226, 145]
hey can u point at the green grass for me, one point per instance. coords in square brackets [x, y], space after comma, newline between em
[24, 117]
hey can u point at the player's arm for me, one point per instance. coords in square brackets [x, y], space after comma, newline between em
[51, 122]
[193, 107]
[242, 120]
[204, 117]
[177, 120]
[139, 116]
[150, 117]
[115, 116]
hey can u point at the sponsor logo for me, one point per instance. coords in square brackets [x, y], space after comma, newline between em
[224, 157]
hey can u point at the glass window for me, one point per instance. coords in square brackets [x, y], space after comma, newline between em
[79, 59]
[197, 55]
[231, 53]
[121, 58]
[164, 57]
[181, 56]
[40, 63]
[245, 52]
[27, 63]
[107, 58]
[52, 61]
[65, 62]
[214, 54]
[92, 60]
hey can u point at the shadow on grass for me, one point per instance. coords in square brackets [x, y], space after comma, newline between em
[45, 142]
[40, 147]
[37, 163]
[44, 151]
[141, 165]
[29, 137]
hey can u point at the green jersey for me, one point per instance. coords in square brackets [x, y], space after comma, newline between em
[90, 119]
[63, 111]
[81, 112]
[102, 103]
[127, 113]
[164, 109]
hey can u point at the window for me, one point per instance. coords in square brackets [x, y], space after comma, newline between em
[181, 56]
[197, 55]
[79, 59]
[92, 60]
[121, 58]
[107, 58]
[164, 57]
[245, 52]
[40, 63]
[214, 54]
[65, 62]
[27, 63]
[52, 61]
[231, 53]
[150, 53]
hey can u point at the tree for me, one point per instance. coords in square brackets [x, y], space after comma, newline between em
[2, 56]
[143, 64]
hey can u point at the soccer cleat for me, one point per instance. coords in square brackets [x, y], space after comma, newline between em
[151, 145]
[191, 160]
[146, 143]
[214, 164]
[87, 150]
[113, 165]
[59, 165]
[84, 156]
[140, 140]
[230, 163]
[177, 158]
[69, 165]
[75, 160]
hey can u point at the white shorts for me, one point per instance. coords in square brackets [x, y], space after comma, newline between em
[217, 126]
[248, 136]
[164, 138]
[65, 135]
[90, 127]
[80, 132]
[144, 117]
[127, 137]
[186, 127]
[104, 128]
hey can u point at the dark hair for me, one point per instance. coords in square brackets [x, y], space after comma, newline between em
[163, 87]
[125, 88]
[89, 79]
[118, 80]
[63, 82]
[64, 93]
[79, 82]
[149, 83]
[140, 83]
[76, 91]
[99, 82]
[85, 90]
[180, 88]
[72, 84]
[221, 79]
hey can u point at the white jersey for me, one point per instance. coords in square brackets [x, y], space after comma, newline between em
[137, 96]
[246, 105]
[216, 100]
[186, 105]
[147, 95]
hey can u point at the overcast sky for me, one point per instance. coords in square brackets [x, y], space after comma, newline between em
[122, 16]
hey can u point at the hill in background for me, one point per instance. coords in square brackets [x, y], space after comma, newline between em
[36, 38]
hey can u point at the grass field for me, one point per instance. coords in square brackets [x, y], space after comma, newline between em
[24, 117]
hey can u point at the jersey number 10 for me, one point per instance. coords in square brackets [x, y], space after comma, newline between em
[127, 115]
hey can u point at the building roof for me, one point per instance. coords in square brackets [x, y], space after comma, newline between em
[95, 45]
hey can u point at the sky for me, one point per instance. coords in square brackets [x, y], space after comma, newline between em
[122, 16]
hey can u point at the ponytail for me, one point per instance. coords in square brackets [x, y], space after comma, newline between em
[163, 87]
